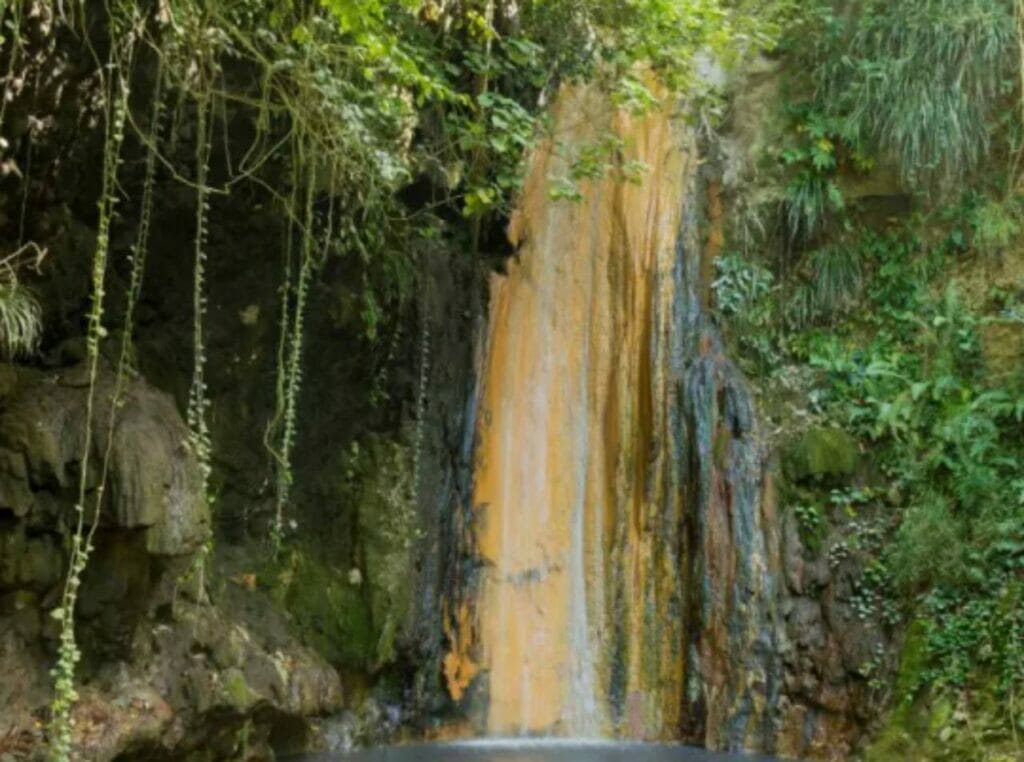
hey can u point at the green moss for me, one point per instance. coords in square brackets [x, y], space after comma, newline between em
[351, 609]
[388, 533]
[925, 725]
[1002, 344]
[913, 660]
[237, 692]
[721, 447]
[821, 453]
[326, 610]
[903, 726]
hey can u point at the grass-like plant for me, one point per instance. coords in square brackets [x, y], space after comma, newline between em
[21, 319]
[837, 276]
[921, 78]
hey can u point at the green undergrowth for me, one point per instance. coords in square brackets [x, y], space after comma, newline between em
[889, 350]
[903, 377]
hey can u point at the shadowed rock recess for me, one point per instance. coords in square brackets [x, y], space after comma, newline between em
[161, 671]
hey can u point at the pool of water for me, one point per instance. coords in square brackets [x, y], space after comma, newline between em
[520, 750]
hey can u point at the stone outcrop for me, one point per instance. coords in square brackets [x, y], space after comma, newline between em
[162, 674]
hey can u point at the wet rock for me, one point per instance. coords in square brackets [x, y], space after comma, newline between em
[29, 562]
[15, 494]
[793, 554]
[806, 623]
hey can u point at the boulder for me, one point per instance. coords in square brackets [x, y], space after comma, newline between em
[165, 673]
[152, 482]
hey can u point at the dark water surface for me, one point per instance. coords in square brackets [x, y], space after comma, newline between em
[536, 751]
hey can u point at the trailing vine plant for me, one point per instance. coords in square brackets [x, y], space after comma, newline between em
[69, 654]
[272, 435]
[140, 248]
[292, 380]
[61, 747]
[10, 31]
[198, 403]
[421, 398]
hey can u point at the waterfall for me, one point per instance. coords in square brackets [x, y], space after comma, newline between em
[622, 519]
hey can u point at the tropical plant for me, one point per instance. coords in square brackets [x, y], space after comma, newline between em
[920, 78]
[20, 319]
[832, 280]
[811, 159]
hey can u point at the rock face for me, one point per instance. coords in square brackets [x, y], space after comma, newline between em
[153, 482]
[161, 674]
[836, 662]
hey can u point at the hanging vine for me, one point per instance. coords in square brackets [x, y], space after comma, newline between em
[13, 27]
[140, 248]
[292, 369]
[198, 402]
[68, 654]
[421, 396]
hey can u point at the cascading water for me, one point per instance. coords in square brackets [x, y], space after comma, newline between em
[621, 511]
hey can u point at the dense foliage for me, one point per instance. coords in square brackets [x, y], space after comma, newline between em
[921, 79]
[882, 330]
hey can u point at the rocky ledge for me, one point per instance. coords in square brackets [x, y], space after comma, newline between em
[170, 669]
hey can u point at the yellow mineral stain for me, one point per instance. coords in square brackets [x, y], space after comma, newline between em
[458, 664]
[570, 488]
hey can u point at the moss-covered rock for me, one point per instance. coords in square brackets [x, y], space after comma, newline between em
[906, 722]
[1002, 345]
[153, 480]
[352, 610]
[388, 531]
[926, 725]
[236, 691]
[821, 453]
[326, 607]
